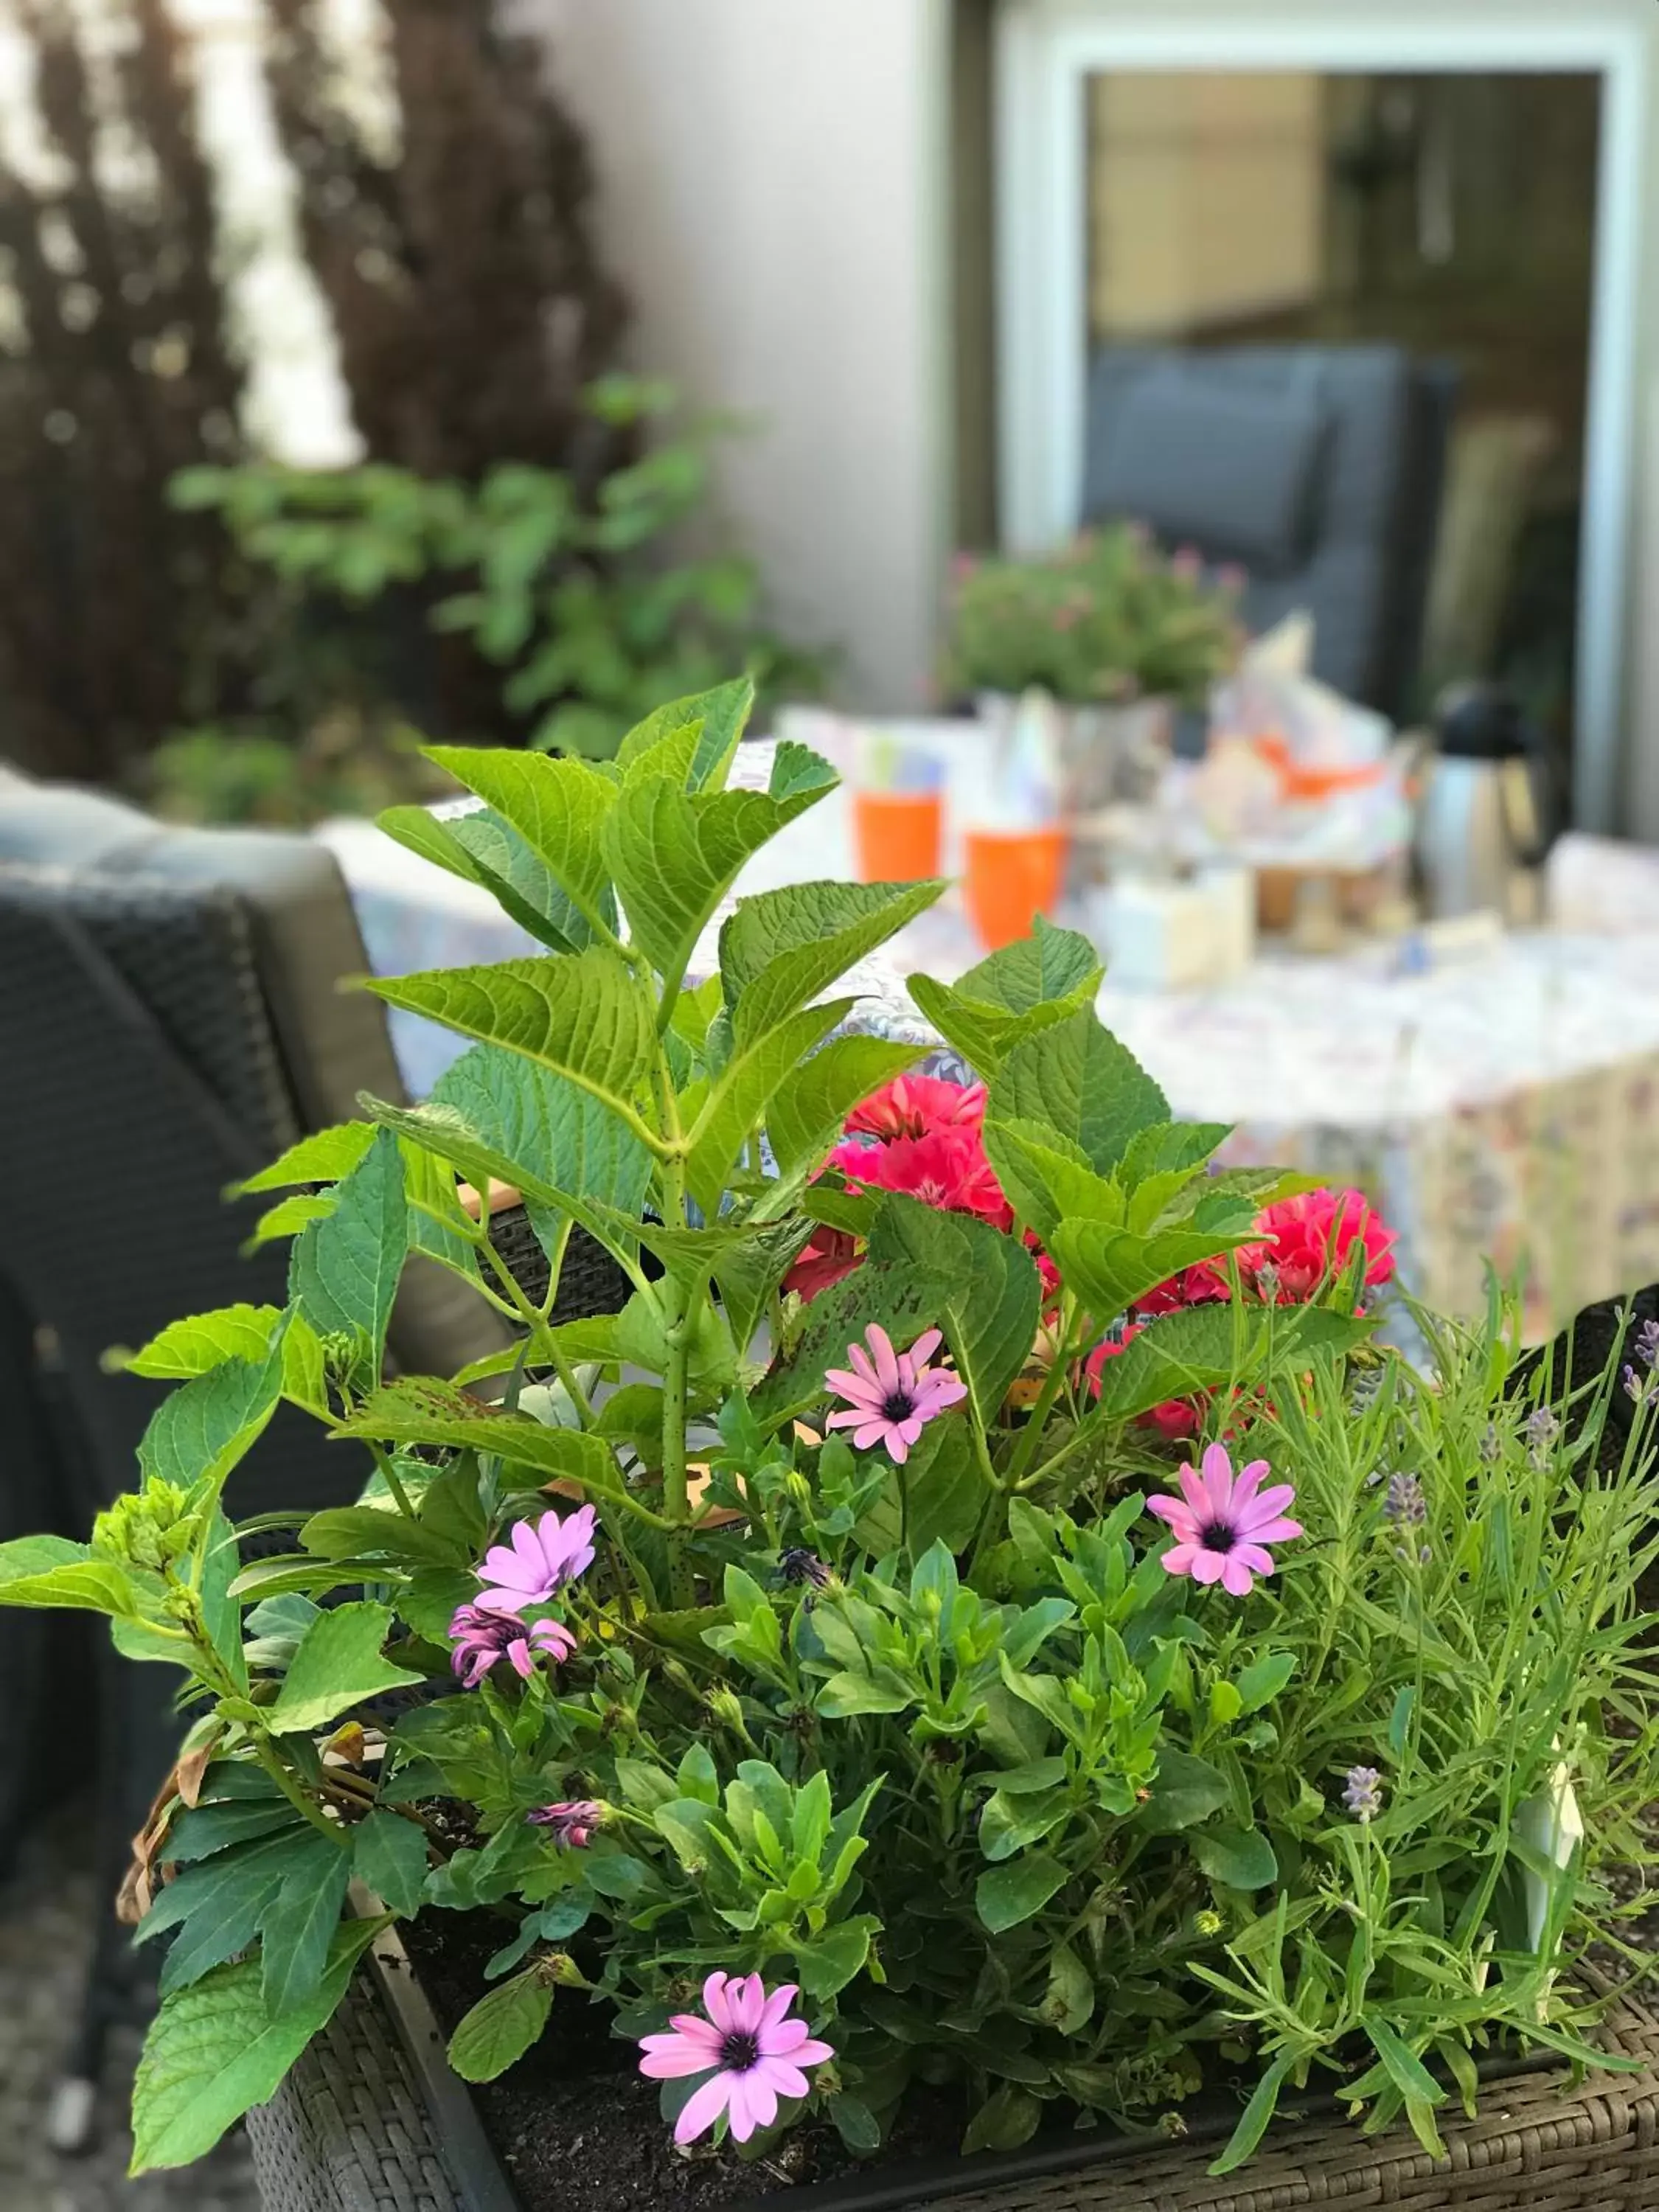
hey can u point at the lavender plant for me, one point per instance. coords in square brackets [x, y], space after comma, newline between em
[815, 1688]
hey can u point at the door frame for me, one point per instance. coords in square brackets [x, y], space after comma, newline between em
[1045, 51]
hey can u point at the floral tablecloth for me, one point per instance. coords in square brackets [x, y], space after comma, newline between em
[1506, 1108]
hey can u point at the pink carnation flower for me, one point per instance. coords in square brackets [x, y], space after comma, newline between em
[538, 1562]
[891, 1396]
[1223, 1523]
[947, 1167]
[1308, 1241]
[755, 2050]
[911, 1105]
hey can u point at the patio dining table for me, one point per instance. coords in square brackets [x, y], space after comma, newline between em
[1503, 1108]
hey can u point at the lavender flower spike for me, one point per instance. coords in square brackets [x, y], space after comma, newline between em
[1363, 1794]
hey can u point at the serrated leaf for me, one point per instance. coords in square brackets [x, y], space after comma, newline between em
[46, 1572]
[584, 1017]
[389, 1854]
[338, 1664]
[721, 716]
[674, 858]
[213, 2051]
[1049, 964]
[481, 849]
[737, 1101]
[198, 1833]
[809, 1107]
[345, 1271]
[782, 948]
[903, 1297]
[798, 772]
[1076, 1078]
[558, 807]
[418, 1409]
[990, 1314]
[299, 1926]
[501, 2027]
[1005, 1895]
[1110, 1268]
[325, 1156]
[287, 1218]
[526, 1115]
[202, 1342]
[200, 1431]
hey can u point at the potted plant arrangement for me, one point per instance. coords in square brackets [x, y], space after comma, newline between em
[982, 1643]
[1116, 634]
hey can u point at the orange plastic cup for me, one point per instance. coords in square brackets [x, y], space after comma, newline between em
[896, 834]
[1011, 877]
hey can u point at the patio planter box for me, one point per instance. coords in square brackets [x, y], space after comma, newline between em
[373, 2120]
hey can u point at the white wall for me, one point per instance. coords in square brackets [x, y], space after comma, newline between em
[771, 192]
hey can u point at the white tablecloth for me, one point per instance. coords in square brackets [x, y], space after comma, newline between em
[1508, 1108]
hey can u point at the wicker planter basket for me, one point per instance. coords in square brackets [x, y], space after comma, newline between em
[372, 2120]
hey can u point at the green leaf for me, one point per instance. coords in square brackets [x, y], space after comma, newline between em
[797, 772]
[1068, 2003]
[561, 1134]
[782, 949]
[198, 1833]
[1253, 2120]
[1048, 1179]
[1185, 1790]
[721, 716]
[202, 1342]
[299, 1926]
[844, 1695]
[1238, 1858]
[222, 1613]
[810, 1105]
[991, 1312]
[1005, 1895]
[944, 1492]
[481, 849]
[585, 1017]
[1263, 1679]
[342, 1533]
[1007, 2118]
[826, 1964]
[418, 1409]
[1178, 1354]
[501, 2027]
[1405, 2068]
[389, 1854]
[856, 2125]
[1077, 1079]
[338, 1664]
[674, 858]
[201, 1431]
[738, 1100]
[37, 1571]
[287, 1218]
[1110, 1268]
[1050, 964]
[345, 1271]
[325, 1156]
[213, 2051]
[558, 807]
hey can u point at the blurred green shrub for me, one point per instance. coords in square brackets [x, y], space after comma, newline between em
[591, 609]
[342, 765]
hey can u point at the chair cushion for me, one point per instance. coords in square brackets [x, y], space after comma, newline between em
[1205, 461]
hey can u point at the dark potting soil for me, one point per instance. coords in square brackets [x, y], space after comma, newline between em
[579, 2128]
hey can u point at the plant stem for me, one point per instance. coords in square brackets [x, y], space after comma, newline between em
[393, 1482]
[680, 1303]
[271, 1758]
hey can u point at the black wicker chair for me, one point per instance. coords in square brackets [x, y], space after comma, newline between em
[168, 1022]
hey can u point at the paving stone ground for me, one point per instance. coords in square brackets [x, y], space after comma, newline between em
[45, 1931]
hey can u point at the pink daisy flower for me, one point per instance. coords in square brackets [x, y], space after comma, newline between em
[538, 1562]
[756, 2049]
[891, 1396]
[481, 1638]
[1223, 1523]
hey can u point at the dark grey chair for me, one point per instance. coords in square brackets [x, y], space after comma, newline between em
[1317, 470]
[169, 1020]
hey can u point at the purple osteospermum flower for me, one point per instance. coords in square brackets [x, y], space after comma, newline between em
[481, 1638]
[570, 1823]
[756, 2049]
[891, 1396]
[800, 1565]
[1223, 1523]
[1363, 1792]
[538, 1562]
